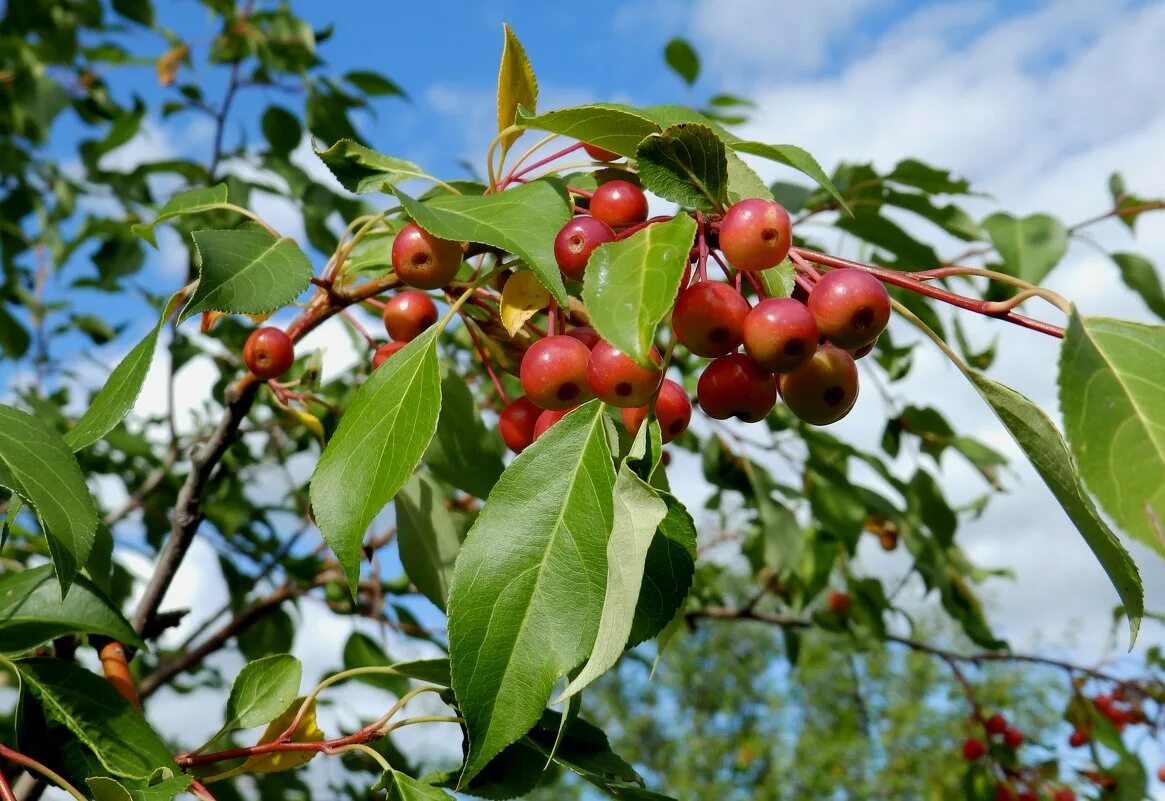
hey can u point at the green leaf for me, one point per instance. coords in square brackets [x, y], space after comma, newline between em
[1030, 247]
[373, 83]
[781, 540]
[517, 86]
[262, 691]
[37, 465]
[428, 535]
[14, 337]
[192, 201]
[109, 725]
[1140, 275]
[113, 401]
[889, 236]
[611, 126]
[950, 218]
[1046, 449]
[361, 169]
[107, 789]
[668, 573]
[32, 611]
[686, 163]
[681, 57]
[929, 179]
[631, 284]
[362, 651]
[379, 441]
[281, 129]
[795, 157]
[464, 452]
[402, 787]
[525, 601]
[523, 220]
[432, 671]
[778, 281]
[140, 11]
[638, 511]
[1112, 394]
[246, 272]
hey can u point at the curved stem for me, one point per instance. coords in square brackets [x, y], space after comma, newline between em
[1055, 298]
[253, 216]
[1002, 306]
[364, 749]
[48, 773]
[422, 719]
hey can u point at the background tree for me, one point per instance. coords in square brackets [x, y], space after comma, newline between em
[499, 259]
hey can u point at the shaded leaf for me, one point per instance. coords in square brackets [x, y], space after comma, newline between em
[192, 201]
[360, 651]
[246, 272]
[464, 453]
[262, 690]
[361, 169]
[795, 157]
[402, 787]
[1140, 275]
[681, 57]
[1030, 247]
[686, 163]
[428, 535]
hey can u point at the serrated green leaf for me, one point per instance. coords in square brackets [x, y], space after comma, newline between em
[638, 511]
[1112, 395]
[778, 282]
[681, 57]
[1030, 247]
[1045, 447]
[246, 272]
[517, 86]
[464, 452]
[795, 157]
[37, 465]
[192, 201]
[360, 651]
[113, 401]
[402, 787]
[525, 600]
[931, 180]
[108, 724]
[611, 126]
[632, 284]
[668, 573]
[523, 220]
[686, 163]
[361, 169]
[262, 691]
[950, 218]
[380, 439]
[1140, 275]
[428, 535]
[32, 611]
[107, 789]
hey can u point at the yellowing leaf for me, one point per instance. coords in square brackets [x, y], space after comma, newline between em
[308, 420]
[517, 85]
[168, 64]
[522, 297]
[308, 731]
[259, 319]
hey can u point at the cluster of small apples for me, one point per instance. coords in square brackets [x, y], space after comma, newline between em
[1002, 735]
[1119, 710]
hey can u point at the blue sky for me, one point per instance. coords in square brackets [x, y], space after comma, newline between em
[1036, 102]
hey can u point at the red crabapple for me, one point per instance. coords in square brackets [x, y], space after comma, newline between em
[733, 386]
[615, 379]
[755, 234]
[423, 260]
[407, 314]
[516, 423]
[554, 373]
[619, 203]
[268, 352]
[996, 724]
[576, 241]
[599, 153]
[585, 334]
[840, 603]
[673, 409]
[384, 351]
[851, 307]
[549, 418]
[780, 334]
[1013, 738]
[708, 318]
[973, 749]
[824, 389]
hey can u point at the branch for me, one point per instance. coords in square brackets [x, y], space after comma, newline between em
[951, 657]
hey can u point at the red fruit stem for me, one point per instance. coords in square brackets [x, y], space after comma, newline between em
[716, 257]
[701, 247]
[808, 268]
[580, 192]
[755, 283]
[472, 329]
[352, 321]
[516, 173]
[907, 281]
[6, 789]
[629, 230]
[803, 281]
[552, 317]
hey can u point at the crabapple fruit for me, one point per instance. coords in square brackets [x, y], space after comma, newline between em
[576, 241]
[516, 423]
[384, 351]
[408, 313]
[755, 234]
[619, 203]
[554, 373]
[673, 409]
[780, 334]
[615, 379]
[708, 318]
[549, 418]
[423, 260]
[268, 352]
[824, 389]
[734, 386]
[851, 307]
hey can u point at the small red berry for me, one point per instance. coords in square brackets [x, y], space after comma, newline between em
[615, 379]
[755, 234]
[422, 260]
[408, 313]
[554, 373]
[996, 724]
[1013, 738]
[863, 351]
[516, 423]
[673, 409]
[1027, 795]
[780, 334]
[549, 418]
[384, 351]
[619, 204]
[824, 389]
[1004, 792]
[1078, 738]
[840, 603]
[1064, 795]
[268, 352]
[851, 307]
[708, 318]
[575, 243]
[586, 335]
[1161, 774]
[733, 386]
[599, 153]
[973, 749]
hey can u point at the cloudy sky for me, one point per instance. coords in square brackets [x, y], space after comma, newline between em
[1035, 102]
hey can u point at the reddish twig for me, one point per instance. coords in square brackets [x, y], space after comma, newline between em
[472, 329]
